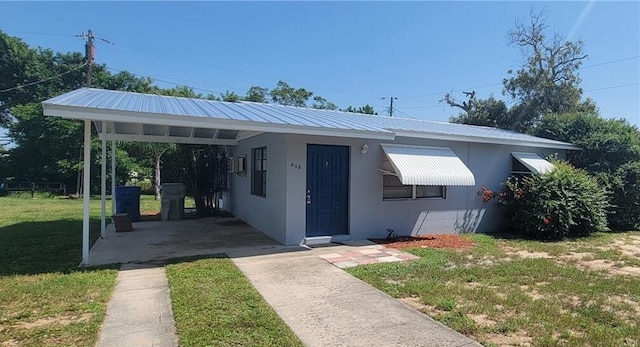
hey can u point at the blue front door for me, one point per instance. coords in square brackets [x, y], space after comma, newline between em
[327, 190]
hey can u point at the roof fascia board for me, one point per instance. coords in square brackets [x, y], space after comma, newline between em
[496, 141]
[77, 112]
[248, 134]
[168, 139]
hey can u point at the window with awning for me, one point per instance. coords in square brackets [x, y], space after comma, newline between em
[525, 162]
[413, 172]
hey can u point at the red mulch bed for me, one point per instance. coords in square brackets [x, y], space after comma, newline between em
[427, 241]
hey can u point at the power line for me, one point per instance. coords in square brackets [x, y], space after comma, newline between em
[44, 80]
[36, 33]
[495, 84]
[139, 73]
[613, 87]
[165, 81]
[611, 62]
[449, 91]
[404, 113]
[434, 106]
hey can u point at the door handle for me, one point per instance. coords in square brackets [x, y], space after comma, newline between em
[308, 197]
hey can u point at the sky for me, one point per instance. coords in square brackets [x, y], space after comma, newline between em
[352, 53]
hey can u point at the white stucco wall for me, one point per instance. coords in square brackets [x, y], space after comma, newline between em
[282, 214]
[266, 214]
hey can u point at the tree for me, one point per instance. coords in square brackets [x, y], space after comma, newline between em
[610, 150]
[123, 80]
[47, 148]
[548, 81]
[149, 154]
[283, 94]
[366, 109]
[181, 91]
[485, 112]
[466, 106]
[257, 94]
[21, 65]
[230, 96]
[157, 150]
[322, 104]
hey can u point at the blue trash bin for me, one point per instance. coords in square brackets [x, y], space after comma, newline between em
[128, 201]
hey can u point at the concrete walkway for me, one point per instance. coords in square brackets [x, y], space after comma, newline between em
[139, 312]
[325, 306]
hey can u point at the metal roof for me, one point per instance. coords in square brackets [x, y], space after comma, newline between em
[135, 116]
[533, 162]
[429, 166]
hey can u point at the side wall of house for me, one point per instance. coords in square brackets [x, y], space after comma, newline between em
[282, 214]
[266, 214]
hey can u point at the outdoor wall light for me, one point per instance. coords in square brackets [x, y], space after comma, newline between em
[364, 149]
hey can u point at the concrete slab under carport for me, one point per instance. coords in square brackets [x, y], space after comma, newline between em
[157, 241]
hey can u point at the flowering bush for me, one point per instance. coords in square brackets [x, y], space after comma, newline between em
[564, 202]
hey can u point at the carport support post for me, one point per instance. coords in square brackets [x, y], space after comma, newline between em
[113, 176]
[103, 182]
[87, 192]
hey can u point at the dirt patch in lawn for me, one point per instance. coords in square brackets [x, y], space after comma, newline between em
[629, 246]
[516, 339]
[427, 241]
[587, 261]
[58, 320]
[530, 255]
[513, 339]
[482, 319]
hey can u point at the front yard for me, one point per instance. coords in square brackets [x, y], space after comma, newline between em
[46, 300]
[507, 292]
[214, 304]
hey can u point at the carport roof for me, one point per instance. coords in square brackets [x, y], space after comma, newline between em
[148, 117]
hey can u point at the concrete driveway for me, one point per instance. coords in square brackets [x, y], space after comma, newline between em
[160, 240]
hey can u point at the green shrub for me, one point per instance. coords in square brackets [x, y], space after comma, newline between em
[625, 186]
[610, 147]
[565, 202]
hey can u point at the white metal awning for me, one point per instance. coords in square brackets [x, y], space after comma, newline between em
[533, 162]
[430, 166]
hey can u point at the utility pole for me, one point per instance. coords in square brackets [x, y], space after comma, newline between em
[391, 98]
[90, 53]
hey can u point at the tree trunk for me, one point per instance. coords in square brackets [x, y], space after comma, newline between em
[157, 178]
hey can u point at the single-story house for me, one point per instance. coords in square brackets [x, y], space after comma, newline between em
[304, 175]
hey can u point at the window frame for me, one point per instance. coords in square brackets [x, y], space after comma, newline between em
[414, 191]
[259, 185]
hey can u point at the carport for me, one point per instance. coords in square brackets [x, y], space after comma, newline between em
[156, 241]
[126, 116]
[146, 120]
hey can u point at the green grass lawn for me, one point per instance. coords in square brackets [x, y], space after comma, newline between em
[215, 305]
[45, 300]
[582, 292]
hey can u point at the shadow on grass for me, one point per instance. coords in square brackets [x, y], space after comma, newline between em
[195, 258]
[42, 247]
[511, 236]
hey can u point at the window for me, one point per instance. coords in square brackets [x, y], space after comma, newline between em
[259, 172]
[392, 188]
